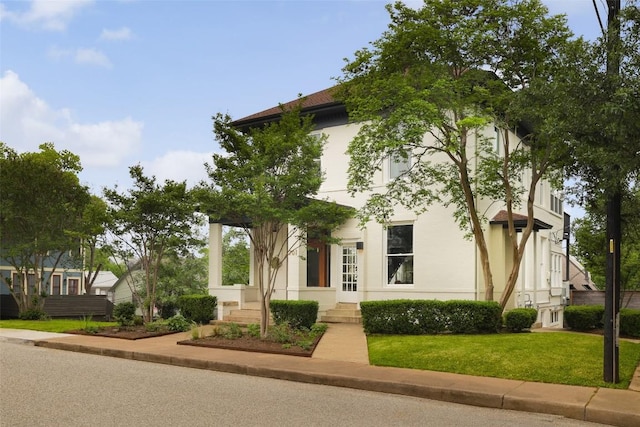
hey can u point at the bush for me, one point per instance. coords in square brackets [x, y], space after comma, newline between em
[298, 314]
[178, 323]
[125, 313]
[630, 322]
[584, 317]
[32, 314]
[416, 317]
[167, 309]
[198, 308]
[520, 318]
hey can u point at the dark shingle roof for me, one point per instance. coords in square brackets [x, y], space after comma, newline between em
[309, 103]
[519, 221]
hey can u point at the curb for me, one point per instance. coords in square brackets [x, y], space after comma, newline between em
[588, 404]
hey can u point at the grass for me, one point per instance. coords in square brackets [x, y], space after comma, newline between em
[558, 358]
[53, 325]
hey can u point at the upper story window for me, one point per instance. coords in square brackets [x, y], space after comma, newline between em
[498, 140]
[318, 160]
[399, 163]
[400, 254]
[555, 203]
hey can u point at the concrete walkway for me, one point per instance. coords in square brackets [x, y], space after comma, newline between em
[341, 359]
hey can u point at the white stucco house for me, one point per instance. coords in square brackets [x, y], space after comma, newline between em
[415, 257]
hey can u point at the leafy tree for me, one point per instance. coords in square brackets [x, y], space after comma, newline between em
[181, 274]
[40, 215]
[591, 242]
[265, 181]
[428, 89]
[147, 222]
[235, 257]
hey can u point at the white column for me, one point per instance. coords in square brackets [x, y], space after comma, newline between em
[215, 256]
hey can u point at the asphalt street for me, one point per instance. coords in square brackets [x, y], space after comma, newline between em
[45, 387]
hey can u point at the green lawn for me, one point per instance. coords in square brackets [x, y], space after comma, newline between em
[55, 325]
[558, 357]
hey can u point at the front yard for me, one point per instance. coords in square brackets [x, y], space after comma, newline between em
[554, 357]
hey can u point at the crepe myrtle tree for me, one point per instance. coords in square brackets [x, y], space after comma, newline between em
[264, 181]
[432, 85]
[147, 222]
[41, 209]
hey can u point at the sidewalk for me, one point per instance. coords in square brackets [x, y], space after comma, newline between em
[341, 360]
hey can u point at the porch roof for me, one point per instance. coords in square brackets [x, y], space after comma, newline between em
[519, 221]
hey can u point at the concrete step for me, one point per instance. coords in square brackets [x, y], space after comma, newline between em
[343, 312]
[341, 319]
[243, 316]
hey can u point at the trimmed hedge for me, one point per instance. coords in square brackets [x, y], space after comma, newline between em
[630, 322]
[298, 314]
[198, 308]
[418, 317]
[584, 317]
[517, 319]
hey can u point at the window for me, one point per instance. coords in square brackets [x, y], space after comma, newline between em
[17, 286]
[349, 269]
[318, 263]
[399, 163]
[73, 286]
[498, 140]
[556, 204]
[400, 254]
[56, 281]
[317, 160]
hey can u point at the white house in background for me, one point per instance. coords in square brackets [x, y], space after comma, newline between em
[103, 283]
[416, 257]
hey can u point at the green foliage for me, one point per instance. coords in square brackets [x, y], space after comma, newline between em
[297, 313]
[230, 331]
[415, 317]
[235, 257]
[40, 215]
[282, 333]
[124, 313]
[155, 326]
[584, 317]
[50, 325]
[89, 326]
[180, 274]
[178, 323]
[32, 314]
[517, 319]
[149, 221]
[198, 308]
[167, 309]
[630, 322]
[253, 330]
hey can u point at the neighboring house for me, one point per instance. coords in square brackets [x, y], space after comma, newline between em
[415, 257]
[122, 289]
[103, 283]
[579, 278]
[65, 280]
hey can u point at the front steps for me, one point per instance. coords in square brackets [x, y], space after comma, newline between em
[343, 313]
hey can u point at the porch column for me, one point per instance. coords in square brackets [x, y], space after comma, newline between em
[215, 256]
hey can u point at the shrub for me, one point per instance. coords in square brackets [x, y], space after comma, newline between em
[298, 314]
[167, 309]
[584, 317]
[520, 318]
[253, 330]
[124, 313]
[230, 331]
[198, 308]
[416, 317]
[282, 333]
[32, 314]
[630, 322]
[178, 323]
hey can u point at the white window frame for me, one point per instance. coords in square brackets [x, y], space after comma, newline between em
[397, 165]
[408, 254]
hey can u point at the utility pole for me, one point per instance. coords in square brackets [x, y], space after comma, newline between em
[614, 234]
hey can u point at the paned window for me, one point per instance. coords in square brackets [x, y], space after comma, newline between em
[56, 281]
[399, 163]
[400, 254]
[74, 285]
[349, 269]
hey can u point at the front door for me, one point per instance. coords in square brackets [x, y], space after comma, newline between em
[348, 287]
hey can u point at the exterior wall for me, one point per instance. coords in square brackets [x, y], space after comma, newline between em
[65, 274]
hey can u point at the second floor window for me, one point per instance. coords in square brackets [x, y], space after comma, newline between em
[399, 163]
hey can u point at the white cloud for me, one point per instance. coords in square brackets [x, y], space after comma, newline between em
[46, 14]
[28, 121]
[123, 33]
[83, 56]
[179, 166]
[92, 57]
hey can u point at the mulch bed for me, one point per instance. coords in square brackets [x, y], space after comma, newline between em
[248, 343]
[129, 333]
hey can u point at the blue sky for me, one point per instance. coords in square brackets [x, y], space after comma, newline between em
[127, 82]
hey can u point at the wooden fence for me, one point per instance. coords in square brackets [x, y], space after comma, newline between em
[630, 299]
[64, 306]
